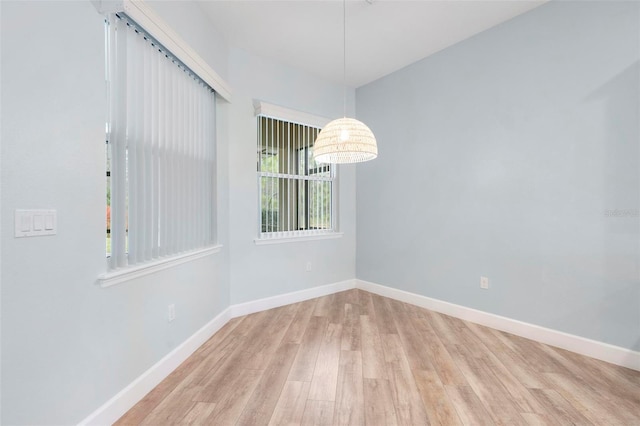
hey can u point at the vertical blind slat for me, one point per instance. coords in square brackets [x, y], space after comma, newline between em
[118, 197]
[147, 168]
[141, 153]
[212, 177]
[132, 149]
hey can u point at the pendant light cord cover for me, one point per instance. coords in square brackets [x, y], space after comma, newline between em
[344, 58]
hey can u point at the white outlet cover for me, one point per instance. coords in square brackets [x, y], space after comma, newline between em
[484, 282]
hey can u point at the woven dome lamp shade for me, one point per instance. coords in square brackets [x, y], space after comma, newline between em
[343, 141]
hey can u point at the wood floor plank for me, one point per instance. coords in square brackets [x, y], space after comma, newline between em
[374, 366]
[406, 398]
[587, 401]
[217, 358]
[291, 403]
[325, 373]
[247, 342]
[249, 322]
[318, 413]
[470, 409]
[445, 331]
[534, 419]
[260, 406]
[384, 315]
[559, 408]
[323, 307]
[198, 414]
[534, 355]
[263, 341]
[503, 353]
[622, 383]
[172, 409]
[229, 330]
[439, 408]
[222, 380]
[231, 404]
[359, 358]
[489, 390]
[352, 297]
[441, 360]
[299, 323]
[335, 311]
[521, 396]
[305, 361]
[351, 331]
[417, 353]
[378, 403]
[349, 408]
[366, 304]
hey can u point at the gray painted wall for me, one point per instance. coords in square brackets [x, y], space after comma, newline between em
[499, 157]
[67, 344]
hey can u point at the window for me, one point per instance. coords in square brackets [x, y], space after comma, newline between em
[296, 193]
[160, 151]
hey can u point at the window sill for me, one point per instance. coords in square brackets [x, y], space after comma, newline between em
[298, 238]
[119, 276]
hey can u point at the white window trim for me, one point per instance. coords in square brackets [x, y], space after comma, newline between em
[151, 22]
[278, 112]
[289, 239]
[129, 273]
[290, 115]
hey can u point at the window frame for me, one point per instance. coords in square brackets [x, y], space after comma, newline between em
[267, 110]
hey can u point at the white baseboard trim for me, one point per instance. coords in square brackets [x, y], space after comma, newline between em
[289, 298]
[592, 348]
[113, 409]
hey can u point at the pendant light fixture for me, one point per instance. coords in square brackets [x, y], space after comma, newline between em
[345, 140]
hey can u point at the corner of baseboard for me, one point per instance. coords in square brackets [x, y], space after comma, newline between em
[253, 306]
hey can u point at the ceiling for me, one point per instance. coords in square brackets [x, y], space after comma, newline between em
[382, 36]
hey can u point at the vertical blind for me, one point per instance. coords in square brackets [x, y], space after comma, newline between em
[295, 191]
[161, 149]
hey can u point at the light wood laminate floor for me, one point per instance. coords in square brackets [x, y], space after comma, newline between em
[358, 358]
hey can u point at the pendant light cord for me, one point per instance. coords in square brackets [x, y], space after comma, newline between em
[344, 57]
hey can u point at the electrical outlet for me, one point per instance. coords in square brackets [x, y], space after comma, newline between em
[484, 282]
[308, 267]
[172, 312]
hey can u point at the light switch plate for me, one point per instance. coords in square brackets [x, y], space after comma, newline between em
[35, 223]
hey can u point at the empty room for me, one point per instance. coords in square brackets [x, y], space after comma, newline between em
[319, 212]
